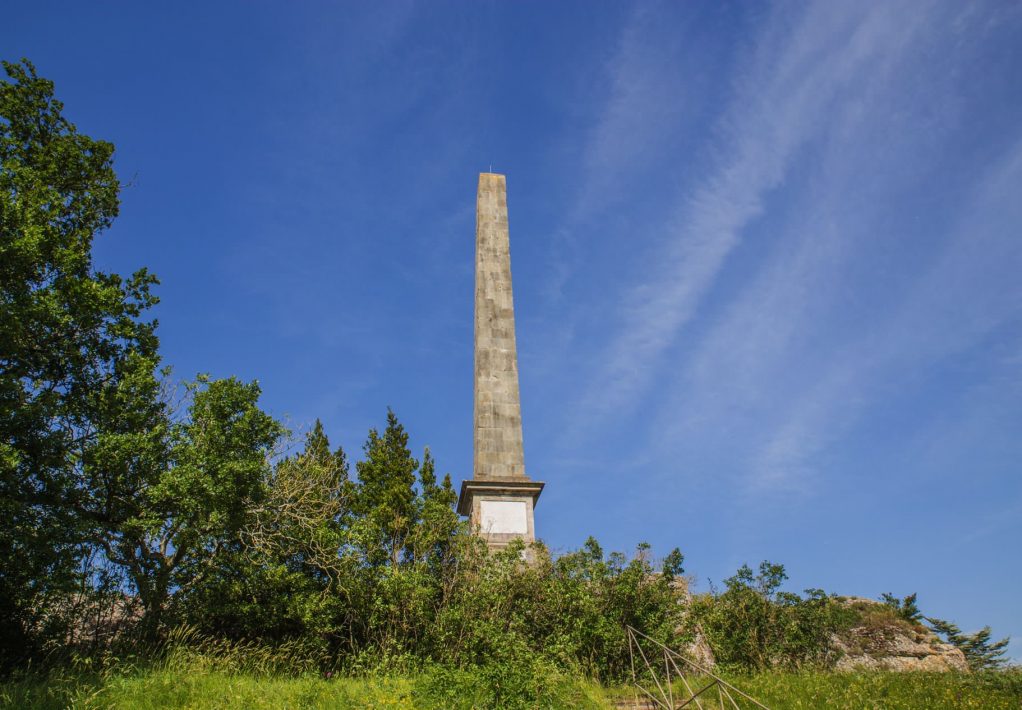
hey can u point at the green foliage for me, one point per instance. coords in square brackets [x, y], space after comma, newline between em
[890, 691]
[359, 565]
[92, 457]
[403, 531]
[906, 608]
[980, 652]
[283, 574]
[384, 498]
[72, 346]
[303, 518]
[597, 596]
[753, 625]
[191, 670]
[572, 610]
[163, 501]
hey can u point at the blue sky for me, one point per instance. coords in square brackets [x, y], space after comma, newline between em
[766, 256]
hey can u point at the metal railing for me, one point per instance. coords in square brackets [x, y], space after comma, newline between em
[728, 696]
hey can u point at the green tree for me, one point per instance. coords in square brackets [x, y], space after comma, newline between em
[165, 500]
[980, 652]
[290, 573]
[304, 517]
[385, 498]
[436, 520]
[403, 529]
[69, 337]
[906, 608]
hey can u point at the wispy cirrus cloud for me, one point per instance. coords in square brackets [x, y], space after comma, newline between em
[853, 302]
[800, 67]
[643, 104]
[971, 290]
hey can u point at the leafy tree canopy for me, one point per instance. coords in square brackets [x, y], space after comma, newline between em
[70, 338]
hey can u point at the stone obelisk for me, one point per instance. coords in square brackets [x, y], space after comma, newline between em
[500, 498]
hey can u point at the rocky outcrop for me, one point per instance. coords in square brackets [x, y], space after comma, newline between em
[898, 652]
[884, 642]
[879, 640]
[699, 651]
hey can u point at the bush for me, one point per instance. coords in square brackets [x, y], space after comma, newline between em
[571, 611]
[754, 626]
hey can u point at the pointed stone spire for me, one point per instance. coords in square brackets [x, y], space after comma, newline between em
[500, 498]
[498, 413]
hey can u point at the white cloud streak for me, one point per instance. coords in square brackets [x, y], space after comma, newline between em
[780, 103]
[970, 291]
[643, 107]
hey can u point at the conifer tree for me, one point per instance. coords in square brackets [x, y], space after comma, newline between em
[979, 652]
[907, 608]
[437, 519]
[385, 497]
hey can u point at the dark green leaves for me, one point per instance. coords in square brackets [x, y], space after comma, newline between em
[980, 652]
[74, 350]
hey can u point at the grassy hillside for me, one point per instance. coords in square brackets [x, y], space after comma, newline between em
[197, 687]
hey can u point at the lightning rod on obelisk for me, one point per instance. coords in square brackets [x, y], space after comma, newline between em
[500, 498]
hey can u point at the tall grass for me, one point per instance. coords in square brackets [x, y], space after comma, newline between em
[204, 688]
[190, 671]
[888, 691]
[821, 690]
[193, 672]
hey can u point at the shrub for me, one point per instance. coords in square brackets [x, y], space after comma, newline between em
[753, 625]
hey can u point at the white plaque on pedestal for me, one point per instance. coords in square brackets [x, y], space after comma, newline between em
[504, 516]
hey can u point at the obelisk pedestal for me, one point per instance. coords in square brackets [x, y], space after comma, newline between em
[500, 498]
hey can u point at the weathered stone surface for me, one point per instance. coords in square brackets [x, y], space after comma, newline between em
[499, 482]
[895, 647]
[497, 438]
[899, 652]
